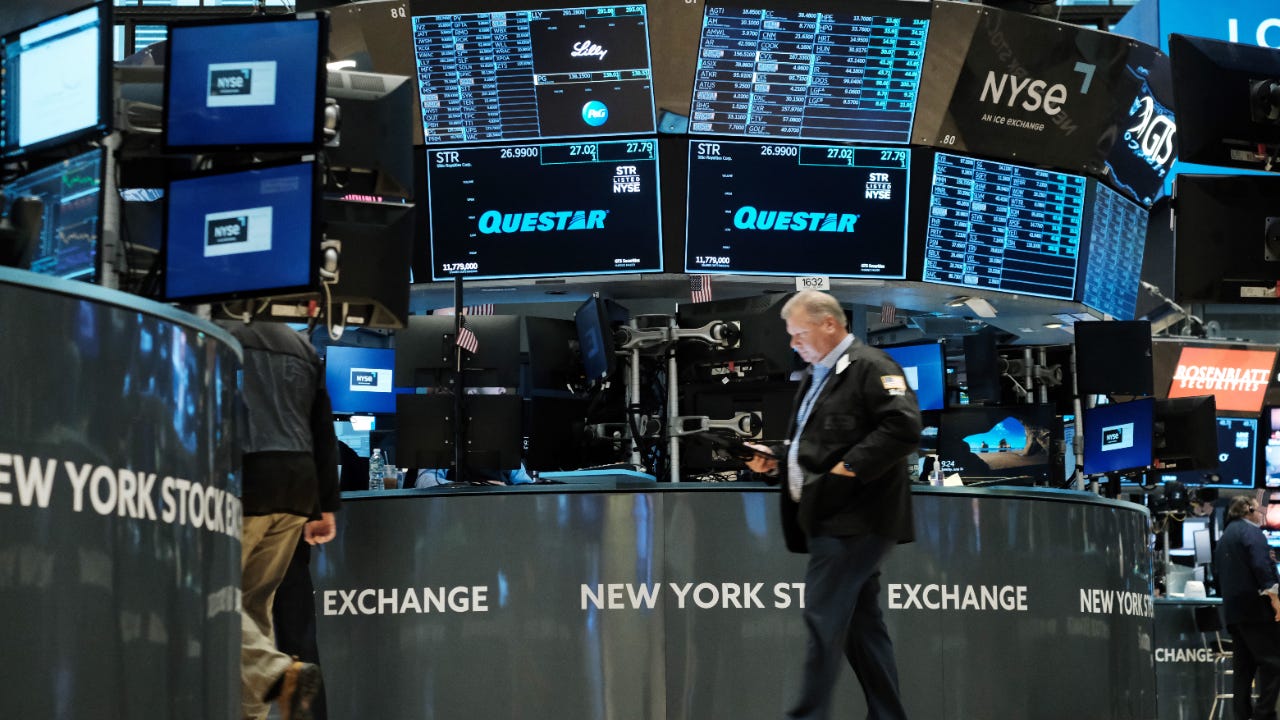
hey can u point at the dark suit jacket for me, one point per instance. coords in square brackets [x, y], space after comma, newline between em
[1243, 565]
[865, 416]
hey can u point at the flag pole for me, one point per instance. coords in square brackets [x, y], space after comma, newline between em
[459, 385]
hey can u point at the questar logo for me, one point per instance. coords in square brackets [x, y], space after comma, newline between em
[586, 48]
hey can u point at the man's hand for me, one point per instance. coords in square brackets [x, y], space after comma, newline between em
[319, 532]
[762, 460]
[840, 469]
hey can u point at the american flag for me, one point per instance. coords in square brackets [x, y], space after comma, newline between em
[700, 288]
[467, 340]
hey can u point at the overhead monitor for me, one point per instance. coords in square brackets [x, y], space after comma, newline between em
[839, 211]
[56, 80]
[589, 208]
[1271, 446]
[256, 83]
[1115, 236]
[1237, 459]
[1114, 358]
[1237, 378]
[998, 226]
[1186, 435]
[243, 234]
[1226, 238]
[71, 231]
[371, 153]
[1227, 100]
[924, 365]
[1118, 437]
[529, 74]
[809, 70]
[1005, 84]
[359, 379]
[595, 340]
[998, 444]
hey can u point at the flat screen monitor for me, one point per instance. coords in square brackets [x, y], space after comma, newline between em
[1186, 436]
[70, 234]
[1114, 358]
[529, 74]
[588, 208]
[56, 81]
[924, 365]
[1116, 235]
[1237, 461]
[425, 351]
[1118, 437]
[554, 360]
[1237, 378]
[762, 352]
[809, 71]
[245, 234]
[1222, 250]
[982, 370]
[1271, 446]
[247, 83]
[998, 226]
[359, 379]
[1225, 99]
[595, 341]
[492, 432]
[998, 444]
[839, 211]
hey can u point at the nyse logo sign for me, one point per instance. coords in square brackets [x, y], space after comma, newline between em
[237, 231]
[247, 84]
[370, 380]
[1117, 437]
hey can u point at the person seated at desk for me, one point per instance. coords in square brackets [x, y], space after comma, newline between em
[431, 477]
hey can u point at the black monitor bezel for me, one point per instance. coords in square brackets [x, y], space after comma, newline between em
[322, 79]
[102, 189]
[1093, 413]
[941, 345]
[312, 285]
[596, 307]
[106, 48]
[1089, 329]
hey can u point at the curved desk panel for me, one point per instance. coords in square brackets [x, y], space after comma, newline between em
[681, 603]
[119, 508]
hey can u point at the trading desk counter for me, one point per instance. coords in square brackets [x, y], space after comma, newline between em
[680, 601]
[119, 514]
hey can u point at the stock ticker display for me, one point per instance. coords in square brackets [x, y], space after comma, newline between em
[71, 191]
[795, 74]
[997, 226]
[531, 74]
[538, 210]
[781, 209]
[1113, 256]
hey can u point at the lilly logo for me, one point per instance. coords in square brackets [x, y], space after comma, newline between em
[594, 113]
[586, 48]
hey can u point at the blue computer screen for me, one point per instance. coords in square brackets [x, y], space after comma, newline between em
[71, 191]
[1118, 437]
[926, 372]
[998, 226]
[241, 234]
[52, 80]
[1117, 235]
[809, 74]
[244, 84]
[359, 380]
[528, 74]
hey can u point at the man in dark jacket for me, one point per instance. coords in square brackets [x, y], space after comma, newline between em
[846, 499]
[289, 490]
[1249, 584]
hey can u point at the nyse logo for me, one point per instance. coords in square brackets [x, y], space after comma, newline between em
[1039, 95]
[1117, 437]
[237, 231]
[244, 84]
[364, 378]
[370, 380]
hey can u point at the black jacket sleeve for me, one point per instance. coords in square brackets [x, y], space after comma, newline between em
[324, 451]
[895, 417]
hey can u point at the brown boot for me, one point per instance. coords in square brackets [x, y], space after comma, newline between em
[298, 688]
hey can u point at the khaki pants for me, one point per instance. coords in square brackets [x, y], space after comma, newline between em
[266, 546]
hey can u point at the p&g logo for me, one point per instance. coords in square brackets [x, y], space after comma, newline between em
[595, 113]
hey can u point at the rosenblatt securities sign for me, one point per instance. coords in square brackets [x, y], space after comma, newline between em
[1236, 378]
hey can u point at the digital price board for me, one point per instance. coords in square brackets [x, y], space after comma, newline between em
[513, 211]
[528, 74]
[1003, 227]
[810, 74]
[782, 209]
[1117, 235]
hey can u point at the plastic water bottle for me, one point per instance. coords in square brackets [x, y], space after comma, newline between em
[935, 475]
[377, 470]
